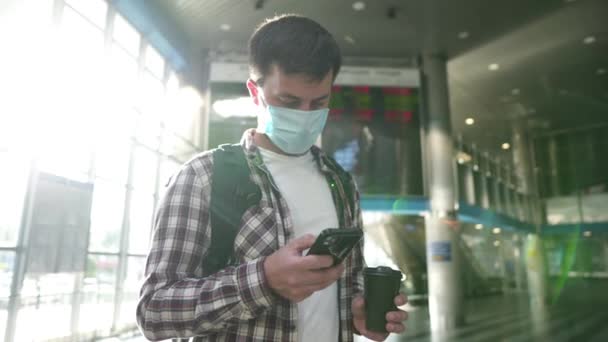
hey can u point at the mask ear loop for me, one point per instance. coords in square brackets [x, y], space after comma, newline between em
[262, 98]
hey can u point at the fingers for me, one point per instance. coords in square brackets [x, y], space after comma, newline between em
[316, 262]
[400, 300]
[358, 307]
[374, 336]
[396, 328]
[396, 316]
[322, 278]
[302, 243]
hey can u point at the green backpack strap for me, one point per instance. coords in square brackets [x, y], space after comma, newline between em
[232, 193]
[347, 184]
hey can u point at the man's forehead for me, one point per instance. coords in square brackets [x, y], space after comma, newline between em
[279, 80]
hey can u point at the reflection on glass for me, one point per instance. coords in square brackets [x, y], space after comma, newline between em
[112, 159]
[155, 62]
[3, 315]
[44, 296]
[140, 223]
[97, 306]
[7, 262]
[93, 10]
[172, 84]
[122, 76]
[168, 168]
[13, 182]
[151, 95]
[77, 30]
[148, 131]
[106, 217]
[126, 35]
[135, 277]
[144, 170]
[181, 114]
[66, 159]
[176, 146]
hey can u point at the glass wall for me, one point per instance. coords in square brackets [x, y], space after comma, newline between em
[93, 102]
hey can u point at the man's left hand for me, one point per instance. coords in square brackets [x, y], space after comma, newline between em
[394, 319]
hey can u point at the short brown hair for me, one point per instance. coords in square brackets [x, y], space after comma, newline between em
[297, 45]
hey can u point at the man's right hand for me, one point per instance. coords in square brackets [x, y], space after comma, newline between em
[296, 277]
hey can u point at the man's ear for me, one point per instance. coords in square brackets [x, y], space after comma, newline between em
[253, 91]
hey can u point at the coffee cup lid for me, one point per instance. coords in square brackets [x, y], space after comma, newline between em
[382, 270]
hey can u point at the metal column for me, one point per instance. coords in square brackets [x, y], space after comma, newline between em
[553, 173]
[443, 260]
[535, 260]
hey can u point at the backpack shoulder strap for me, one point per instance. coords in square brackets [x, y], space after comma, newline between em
[232, 193]
[346, 179]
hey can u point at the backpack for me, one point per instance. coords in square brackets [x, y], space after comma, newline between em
[232, 193]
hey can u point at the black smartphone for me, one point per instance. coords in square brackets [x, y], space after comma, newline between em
[336, 242]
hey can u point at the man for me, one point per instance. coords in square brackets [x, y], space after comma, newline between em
[274, 292]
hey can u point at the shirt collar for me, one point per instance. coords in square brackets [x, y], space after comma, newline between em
[252, 151]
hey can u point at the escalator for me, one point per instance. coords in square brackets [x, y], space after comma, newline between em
[402, 238]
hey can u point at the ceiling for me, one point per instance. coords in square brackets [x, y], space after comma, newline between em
[548, 77]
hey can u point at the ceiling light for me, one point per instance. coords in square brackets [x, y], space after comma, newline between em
[463, 35]
[515, 91]
[496, 243]
[479, 226]
[359, 6]
[475, 167]
[225, 27]
[589, 40]
[506, 146]
[496, 230]
[463, 157]
[494, 66]
[349, 39]
[601, 71]
[587, 233]
[469, 121]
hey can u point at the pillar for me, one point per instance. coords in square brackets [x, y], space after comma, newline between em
[553, 173]
[443, 259]
[534, 255]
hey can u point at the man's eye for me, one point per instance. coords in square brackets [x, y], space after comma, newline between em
[291, 104]
[319, 105]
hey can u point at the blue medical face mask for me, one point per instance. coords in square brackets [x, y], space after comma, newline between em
[293, 131]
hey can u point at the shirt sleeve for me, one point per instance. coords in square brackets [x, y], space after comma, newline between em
[175, 299]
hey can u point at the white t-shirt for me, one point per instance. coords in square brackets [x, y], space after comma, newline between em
[312, 209]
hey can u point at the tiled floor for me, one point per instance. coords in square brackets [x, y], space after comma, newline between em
[579, 313]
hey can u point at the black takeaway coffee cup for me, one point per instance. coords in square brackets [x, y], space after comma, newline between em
[381, 287]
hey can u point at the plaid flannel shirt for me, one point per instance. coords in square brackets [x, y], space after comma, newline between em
[236, 303]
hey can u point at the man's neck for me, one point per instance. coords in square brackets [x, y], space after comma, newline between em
[264, 142]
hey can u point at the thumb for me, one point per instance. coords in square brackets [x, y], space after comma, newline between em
[358, 307]
[302, 243]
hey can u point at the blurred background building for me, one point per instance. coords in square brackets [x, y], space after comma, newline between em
[476, 130]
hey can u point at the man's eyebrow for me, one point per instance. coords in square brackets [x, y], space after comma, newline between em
[293, 97]
[321, 98]
[290, 96]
